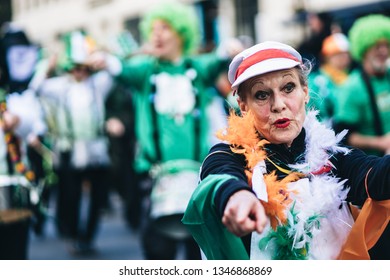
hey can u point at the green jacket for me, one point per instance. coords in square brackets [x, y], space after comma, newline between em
[205, 225]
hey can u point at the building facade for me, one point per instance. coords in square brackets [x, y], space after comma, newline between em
[46, 20]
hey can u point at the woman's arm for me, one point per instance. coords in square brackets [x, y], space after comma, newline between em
[131, 71]
[240, 209]
[356, 166]
[221, 160]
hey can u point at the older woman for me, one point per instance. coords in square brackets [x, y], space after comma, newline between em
[281, 186]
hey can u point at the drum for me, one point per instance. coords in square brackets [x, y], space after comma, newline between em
[173, 184]
[14, 192]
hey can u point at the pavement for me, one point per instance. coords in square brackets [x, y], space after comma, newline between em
[115, 239]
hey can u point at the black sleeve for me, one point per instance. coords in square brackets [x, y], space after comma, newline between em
[355, 166]
[221, 160]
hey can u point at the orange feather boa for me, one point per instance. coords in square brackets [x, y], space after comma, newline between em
[241, 134]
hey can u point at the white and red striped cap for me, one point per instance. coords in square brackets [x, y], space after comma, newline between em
[260, 59]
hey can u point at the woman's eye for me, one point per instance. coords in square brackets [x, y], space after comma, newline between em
[261, 95]
[289, 87]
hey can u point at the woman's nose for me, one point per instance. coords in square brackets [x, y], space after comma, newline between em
[278, 103]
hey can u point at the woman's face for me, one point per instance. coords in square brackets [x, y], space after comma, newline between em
[166, 43]
[340, 61]
[80, 72]
[277, 100]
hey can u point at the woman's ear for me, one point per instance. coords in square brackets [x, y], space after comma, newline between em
[307, 96]
[242, 105]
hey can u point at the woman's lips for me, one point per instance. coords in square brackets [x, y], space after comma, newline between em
[282, 123]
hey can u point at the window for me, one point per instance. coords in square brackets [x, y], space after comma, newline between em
[245, 17]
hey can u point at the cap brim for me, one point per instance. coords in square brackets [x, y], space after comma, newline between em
[263, 67]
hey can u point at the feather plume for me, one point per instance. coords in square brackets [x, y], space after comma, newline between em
[241, 134]
[278, 195]
[321, 144]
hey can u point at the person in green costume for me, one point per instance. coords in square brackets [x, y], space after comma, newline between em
[175, 117]
[364, 100]
[332, 73]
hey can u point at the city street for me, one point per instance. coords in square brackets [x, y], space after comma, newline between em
[115, 240]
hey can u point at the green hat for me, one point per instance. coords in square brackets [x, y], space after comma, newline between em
[78, 46]
[180, 17]
[366, 32]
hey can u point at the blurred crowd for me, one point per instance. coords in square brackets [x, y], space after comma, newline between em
[138, 120]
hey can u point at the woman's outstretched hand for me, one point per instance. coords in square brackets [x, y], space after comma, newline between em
[244, 213]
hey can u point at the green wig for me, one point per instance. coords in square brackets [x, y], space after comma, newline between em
[180, 17]
[365, 32]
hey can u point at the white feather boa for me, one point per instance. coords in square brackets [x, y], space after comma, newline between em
[321, 196]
